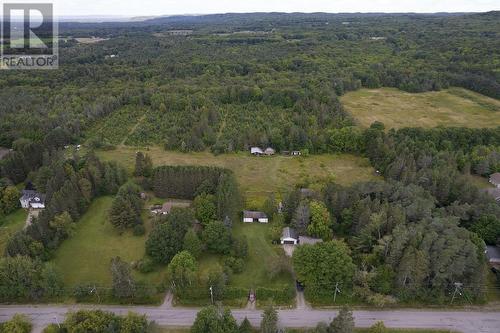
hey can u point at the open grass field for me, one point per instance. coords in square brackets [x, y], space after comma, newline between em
[259, 176]
[9, 225]
[85, 257]
[396, 109]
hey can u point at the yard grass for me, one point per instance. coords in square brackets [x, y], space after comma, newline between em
[259, 176]
[9, 225]
[396, 109]
[85, 257]
[260, 251]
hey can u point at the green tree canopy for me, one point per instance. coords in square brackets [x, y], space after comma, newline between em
[319, 267]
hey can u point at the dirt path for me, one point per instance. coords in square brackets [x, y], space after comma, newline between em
[132, 130]
[31, 214]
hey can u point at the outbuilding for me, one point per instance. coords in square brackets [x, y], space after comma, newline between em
[495, 179]
[269, 151]
[289, 236]
[296, 153]
[493, 255]
[256, 151]
[250, 216]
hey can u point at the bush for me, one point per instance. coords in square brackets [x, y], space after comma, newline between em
[236, 265]
[18, 324]
[139, 230]
[145, 265]
[283, 295]
[231, 293]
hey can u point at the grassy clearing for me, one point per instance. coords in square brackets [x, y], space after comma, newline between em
[397, 109]
[85, 257]
[259, 176]
[9, 225]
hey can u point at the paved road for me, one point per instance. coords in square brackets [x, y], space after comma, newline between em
[462, 321]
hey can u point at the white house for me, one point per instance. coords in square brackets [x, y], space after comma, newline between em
[250, 216]
[32, 199]
[256, 151]
[289, 236]
[495, 179]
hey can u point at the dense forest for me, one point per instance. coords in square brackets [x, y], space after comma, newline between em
[240, 80]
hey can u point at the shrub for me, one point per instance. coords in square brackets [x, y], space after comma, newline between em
[139, 230]
[145, 265]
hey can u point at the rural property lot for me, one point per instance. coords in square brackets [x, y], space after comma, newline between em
[259, 176]
[397, 109]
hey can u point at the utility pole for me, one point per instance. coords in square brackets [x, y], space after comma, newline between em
[212, 294]
[336, 290]
[458, 289]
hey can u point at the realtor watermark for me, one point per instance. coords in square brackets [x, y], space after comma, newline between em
[29, 36]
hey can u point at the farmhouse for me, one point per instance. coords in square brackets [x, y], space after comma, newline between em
[256, 151]
[32, 199]
[289, 236]
[495, 179]
[250, 216]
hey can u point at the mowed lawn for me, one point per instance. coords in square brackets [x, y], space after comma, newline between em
[259, 176]
[260, 251]
[85, 258]
[9, 225]
[455, 107]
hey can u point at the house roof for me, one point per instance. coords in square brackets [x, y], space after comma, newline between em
[494, 192]
[256, 150]
[309, 240]
[3, 152]
[167, 206]
[251, 214]
[493, 253]
[269, 150]
[288, 233]
[495, 178]
[33, 196]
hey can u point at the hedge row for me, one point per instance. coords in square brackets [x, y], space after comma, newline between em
[282, 295]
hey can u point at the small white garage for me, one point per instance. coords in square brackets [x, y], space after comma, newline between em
[289, 236]
[250, 216]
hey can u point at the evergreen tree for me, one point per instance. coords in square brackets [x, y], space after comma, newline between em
[344, 322]
[269, 322]
[192, 243]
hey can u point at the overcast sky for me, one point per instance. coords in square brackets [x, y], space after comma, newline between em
[169, 7]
